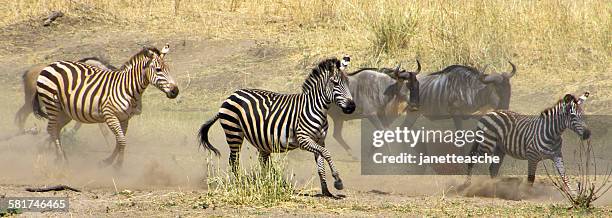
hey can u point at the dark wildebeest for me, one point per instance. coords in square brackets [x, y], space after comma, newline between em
[455, 93]
[459, 90]
[380, 96]
[29, 88]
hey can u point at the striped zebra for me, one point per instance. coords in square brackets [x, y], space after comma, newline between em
[29, 78]
[275, 123]
[88, 94]
[533, 138]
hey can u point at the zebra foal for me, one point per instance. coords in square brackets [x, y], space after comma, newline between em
[275, 123]
[533, 138]
[68, 90]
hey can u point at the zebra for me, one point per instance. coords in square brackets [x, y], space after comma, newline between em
[533, 138]
[276, 123]
[76, 91]
[29, 89]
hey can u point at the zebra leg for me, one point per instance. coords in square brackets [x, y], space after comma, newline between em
[474, 152]
[104, 131]
[74, 129]
[57, 120]
[310, 145]
[115, 125]
[494, 167]
[321, 171]
[235, 145]
[558, 160]
[264, 160]
[338, 124]
[532, 166]
[234, 137]
[119, 162]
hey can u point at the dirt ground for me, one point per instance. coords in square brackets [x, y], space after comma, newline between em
[165, 172]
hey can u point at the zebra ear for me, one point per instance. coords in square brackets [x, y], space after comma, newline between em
[568, 98]
[583, 98]
[346, 59]
[165, 50]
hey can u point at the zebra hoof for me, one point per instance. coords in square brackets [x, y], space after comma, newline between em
[338, 185]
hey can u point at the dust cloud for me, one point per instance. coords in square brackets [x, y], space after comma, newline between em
[30, 160]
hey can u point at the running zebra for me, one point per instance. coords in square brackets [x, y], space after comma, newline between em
[275, 123]
[29, 78]
[533, 138]
[88, 94]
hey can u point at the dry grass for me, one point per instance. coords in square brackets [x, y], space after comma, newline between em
[588, 189]
[542, 34]
[252, 186]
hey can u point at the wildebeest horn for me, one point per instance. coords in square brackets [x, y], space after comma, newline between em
[496, 78]
[513, 71]
[418, 70]
[396, 72]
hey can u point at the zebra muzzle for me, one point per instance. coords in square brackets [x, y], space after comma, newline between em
[586, 134]
[173, 93]
[349, 108]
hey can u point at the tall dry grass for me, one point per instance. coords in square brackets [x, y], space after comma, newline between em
[255, 185]
[549, 33]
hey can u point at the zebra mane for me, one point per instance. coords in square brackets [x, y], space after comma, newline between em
[323, 69]
[138, 56]
[559, 102]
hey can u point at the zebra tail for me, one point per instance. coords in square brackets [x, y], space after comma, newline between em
[203, 135]
[24, 76]
[38, 112]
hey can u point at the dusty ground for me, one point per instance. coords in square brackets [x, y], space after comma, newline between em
[166, 171]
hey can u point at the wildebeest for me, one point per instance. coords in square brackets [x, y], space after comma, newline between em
[380, 96]
[29, 89]
[460, 90]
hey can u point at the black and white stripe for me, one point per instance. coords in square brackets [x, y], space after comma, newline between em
[531, 138]
[29, 78]
[76, 91]
[274, 122]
